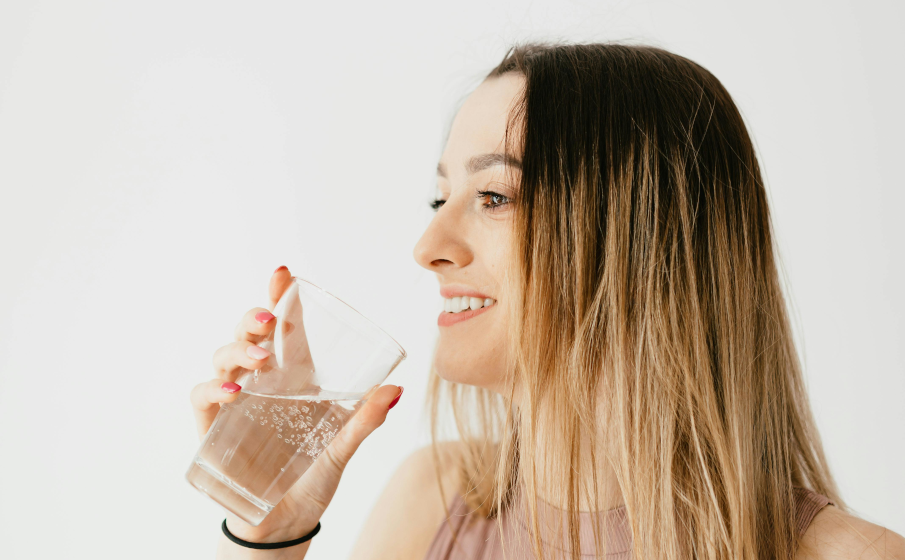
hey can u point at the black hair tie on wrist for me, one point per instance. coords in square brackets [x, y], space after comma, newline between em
[269, 546]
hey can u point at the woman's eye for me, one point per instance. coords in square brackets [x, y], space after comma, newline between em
[492, 200]
[436, 204]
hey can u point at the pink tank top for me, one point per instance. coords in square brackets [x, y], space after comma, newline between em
[480, 539]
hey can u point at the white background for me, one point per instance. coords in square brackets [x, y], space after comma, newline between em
[159, 159]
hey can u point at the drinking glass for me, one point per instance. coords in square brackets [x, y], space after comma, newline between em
[326, 358]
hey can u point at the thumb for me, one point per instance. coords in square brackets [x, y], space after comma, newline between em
[319, 483]
[372, 414]
[279, 281]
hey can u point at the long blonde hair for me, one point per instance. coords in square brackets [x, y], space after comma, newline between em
[648, 313]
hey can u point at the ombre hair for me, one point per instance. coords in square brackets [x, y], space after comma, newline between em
[646, 312]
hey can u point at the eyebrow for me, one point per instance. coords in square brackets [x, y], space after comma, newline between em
[482, 162]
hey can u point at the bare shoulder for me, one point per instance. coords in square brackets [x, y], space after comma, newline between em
[430, 468]
[837, 535]
[411, 508]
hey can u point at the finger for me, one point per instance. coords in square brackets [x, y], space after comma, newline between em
[256, 324]
[235, 358]
[372, 414]
[206, 399]
[279, 281]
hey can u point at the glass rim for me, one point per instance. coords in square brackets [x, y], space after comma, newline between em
[399, 348]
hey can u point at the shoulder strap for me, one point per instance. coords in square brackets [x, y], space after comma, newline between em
[807, 505]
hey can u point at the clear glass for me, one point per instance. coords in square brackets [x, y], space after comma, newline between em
[325, 360]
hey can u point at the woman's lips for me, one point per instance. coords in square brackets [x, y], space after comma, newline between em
[448, 319]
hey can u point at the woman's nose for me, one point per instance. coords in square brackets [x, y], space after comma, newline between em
[442, 245]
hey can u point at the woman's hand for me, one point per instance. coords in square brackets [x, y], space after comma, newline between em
[304, 504]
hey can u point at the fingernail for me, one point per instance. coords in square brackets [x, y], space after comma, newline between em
[396, 400]
[257, 352]
[230, 387]
[279, 269]
[263, 316]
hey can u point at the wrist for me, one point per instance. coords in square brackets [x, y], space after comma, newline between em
[267, 534]
[228, 550]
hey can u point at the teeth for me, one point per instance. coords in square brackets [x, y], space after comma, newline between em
[464, 303]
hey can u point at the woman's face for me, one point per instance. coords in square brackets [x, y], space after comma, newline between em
[467, 244]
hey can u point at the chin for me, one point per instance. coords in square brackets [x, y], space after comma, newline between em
[480, 364]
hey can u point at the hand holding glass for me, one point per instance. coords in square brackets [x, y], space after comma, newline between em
[326, 359]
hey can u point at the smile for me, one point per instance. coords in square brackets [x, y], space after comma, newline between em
[458, 309]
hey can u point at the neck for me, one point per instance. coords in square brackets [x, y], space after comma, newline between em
[552, 462]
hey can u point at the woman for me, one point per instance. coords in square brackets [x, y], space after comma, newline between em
[614, 338]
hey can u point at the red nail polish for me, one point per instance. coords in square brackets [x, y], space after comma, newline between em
[396, 400]
[263, 316]
[232, 387]
[279, 269]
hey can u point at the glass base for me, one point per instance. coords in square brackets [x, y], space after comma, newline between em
[226, 493]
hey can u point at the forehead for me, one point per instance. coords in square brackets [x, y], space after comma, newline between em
[480, 125]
